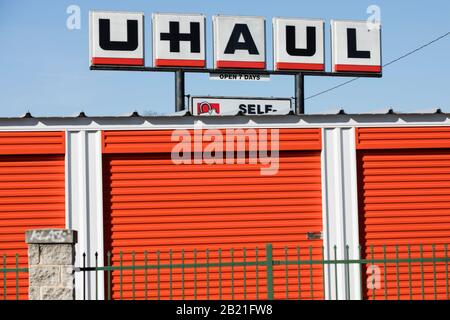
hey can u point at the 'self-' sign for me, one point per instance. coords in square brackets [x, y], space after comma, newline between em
[117, 38]
[222, 106]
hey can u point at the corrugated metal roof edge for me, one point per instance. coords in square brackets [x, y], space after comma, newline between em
[82, 114]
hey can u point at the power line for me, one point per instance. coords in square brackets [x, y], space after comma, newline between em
[385, 65]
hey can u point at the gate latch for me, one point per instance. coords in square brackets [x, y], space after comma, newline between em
[314, 235]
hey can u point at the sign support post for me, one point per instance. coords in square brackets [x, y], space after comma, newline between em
[299, 93]
[179, 91]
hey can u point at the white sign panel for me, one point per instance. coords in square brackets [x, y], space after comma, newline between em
[210, 106]
[356, 47]
[298, 44]
[179, 40]
[116, 38]
[239, 42]
[239, 76]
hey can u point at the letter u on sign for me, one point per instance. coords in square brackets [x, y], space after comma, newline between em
[116, 38]
[298, 44]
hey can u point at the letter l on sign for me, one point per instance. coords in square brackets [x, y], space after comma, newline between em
[356, 47]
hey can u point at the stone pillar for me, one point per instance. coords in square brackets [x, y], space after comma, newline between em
[51, 258]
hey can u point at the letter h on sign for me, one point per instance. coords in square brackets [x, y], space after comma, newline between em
[179, 40]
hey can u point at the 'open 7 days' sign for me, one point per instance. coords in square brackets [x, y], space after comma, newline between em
[178, 40]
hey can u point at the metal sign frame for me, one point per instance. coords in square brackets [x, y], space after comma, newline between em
[180, 95]
[180, 64]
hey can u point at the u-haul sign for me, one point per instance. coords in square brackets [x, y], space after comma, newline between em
[117, 38]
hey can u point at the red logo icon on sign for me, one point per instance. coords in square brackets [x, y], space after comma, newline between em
[209, 108]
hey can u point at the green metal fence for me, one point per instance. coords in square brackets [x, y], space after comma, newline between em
[387, 272]
[12, 278]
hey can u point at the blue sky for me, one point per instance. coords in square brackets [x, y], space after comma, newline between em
[44, 66]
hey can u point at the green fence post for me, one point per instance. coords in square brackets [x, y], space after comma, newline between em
[108, 255]
[446, 269]
[269, 271]
[121, 276]
[422, 280]
[373, 271]
[286, 271]
[133, 275]
[385, 273]
[170, 274]
[146, 275]
[245, 273]
[256, 273]
[158, 271]
[195, 274]
[299, 275]
[220, 273]
[397, 272]
[17, 276]
[207, 274]
[323, 273]
[84, 276]
[433, 248]
[182, 274]
[232, 273]
[311, 279]
[4, 277]
[347, 269]
[96, 275]
[410, 273]
[336, 273]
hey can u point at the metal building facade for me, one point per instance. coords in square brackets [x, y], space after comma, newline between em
[365, 170]
[32, 195]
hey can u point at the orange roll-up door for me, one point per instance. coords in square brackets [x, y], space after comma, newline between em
[404, 185]
[152, 204]
[31, 196]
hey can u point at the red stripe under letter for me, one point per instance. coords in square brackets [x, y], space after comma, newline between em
[179, 63]
[241, 64]
[356, 68]
[119, 61]
[300, 66]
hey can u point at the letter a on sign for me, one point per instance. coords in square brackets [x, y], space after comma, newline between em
[116, 38]
[239, 42]
[179, 40]
[298, 44]
[356, 47]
